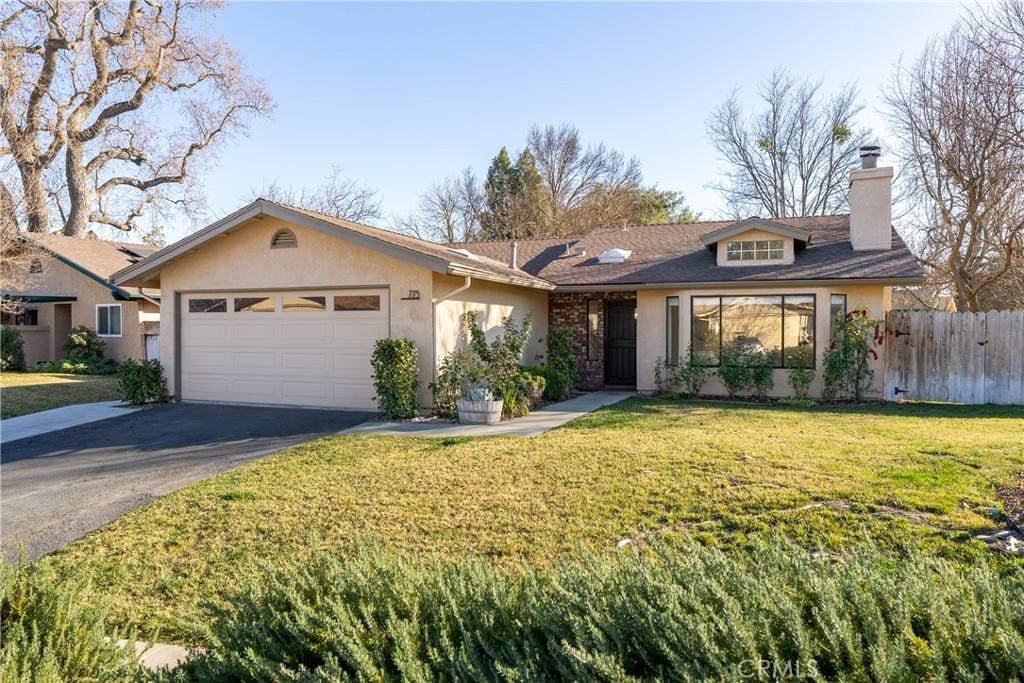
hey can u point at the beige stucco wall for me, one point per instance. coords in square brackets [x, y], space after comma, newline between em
[59, 279]
[788, 253]
[651, 321]
[495, 302]
[243, 259]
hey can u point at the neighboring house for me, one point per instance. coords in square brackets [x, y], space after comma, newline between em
[279, 305]
[71, 287]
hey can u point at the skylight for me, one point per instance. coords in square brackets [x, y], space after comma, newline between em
[614, 256]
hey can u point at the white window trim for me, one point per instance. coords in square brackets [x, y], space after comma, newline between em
[120, 317]
[769, 259]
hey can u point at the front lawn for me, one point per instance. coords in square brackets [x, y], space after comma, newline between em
[828, 478]
[29, 392]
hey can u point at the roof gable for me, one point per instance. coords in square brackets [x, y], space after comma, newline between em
[715, 236]
[97, 259]
[435, 257]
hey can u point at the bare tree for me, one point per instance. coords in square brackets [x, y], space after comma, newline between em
[18, 255]
[956, 114]
[449, 211]
[583, 187]
[335, 196]
[125, 100]
[793, 158]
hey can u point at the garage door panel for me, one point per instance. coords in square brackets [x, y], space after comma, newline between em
[314, 358]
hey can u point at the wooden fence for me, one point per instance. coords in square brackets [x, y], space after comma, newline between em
[956, 357]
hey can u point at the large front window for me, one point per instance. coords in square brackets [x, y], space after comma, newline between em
[781, 327]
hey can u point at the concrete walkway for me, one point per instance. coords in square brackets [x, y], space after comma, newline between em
[34, 424]
[545, 419]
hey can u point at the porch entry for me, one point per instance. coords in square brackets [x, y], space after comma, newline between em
[620, 343]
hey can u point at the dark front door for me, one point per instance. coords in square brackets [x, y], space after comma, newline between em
[620, 343]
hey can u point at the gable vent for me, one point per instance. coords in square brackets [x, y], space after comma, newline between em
[284, 239]
[614, 256]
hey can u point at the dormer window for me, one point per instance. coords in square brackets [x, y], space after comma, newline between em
[755, 250]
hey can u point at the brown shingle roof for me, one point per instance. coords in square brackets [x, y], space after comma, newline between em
[99, 257]
[673, 253]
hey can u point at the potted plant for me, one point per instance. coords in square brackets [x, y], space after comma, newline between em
[479, 407]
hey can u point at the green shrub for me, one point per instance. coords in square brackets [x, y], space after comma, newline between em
[396, 377]
[733, 369]
[499, 358]
[847, 361]
[87, 366]
[12, 349]
[562, 375]
[557, 386]
[52, 633]
[691, 375]
[662, 377]
[82, 344]
[459, 371]
[143, 382]
[800, 378]
[683, 613]
[762, 373]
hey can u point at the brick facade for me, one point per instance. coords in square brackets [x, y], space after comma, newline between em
[570, 310]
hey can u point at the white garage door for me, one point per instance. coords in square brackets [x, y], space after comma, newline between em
[309, 348]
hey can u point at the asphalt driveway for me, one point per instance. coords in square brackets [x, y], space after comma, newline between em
[57, 487]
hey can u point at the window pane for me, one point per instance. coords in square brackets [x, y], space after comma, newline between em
[115, 320]
[254, 304]
[754, 322]
[593, 323]
[304, 303]
[798, 331]
[366, 302]
[705, 327]
[207, 305]
[672, 330]
[102, 320]
[837, 308]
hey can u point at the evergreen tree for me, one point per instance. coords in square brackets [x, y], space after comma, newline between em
[529, 196]
[500, 189]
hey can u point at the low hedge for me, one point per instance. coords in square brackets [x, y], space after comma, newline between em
[683, 613]
[84, 366]
[141, 382]
[396, 377]
[51, 632]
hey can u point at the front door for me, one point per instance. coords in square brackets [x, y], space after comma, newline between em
[620, 343]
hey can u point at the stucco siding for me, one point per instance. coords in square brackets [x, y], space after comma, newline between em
[59, 279]
[495, 302]
[243, 259]
[652, 320]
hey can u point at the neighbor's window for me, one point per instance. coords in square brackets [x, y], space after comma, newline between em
[254, 304]
[29, 316]
[754, 250]
[207, 305]
[108, 320]
[357, 302]
[292, 304]
[782, 327]
[593, 322]
[836, 308]
[672, 330]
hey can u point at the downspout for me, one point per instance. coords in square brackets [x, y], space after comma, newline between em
[433, 314]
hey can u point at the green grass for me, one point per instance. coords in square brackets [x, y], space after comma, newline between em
[22, 393]
[828, 478]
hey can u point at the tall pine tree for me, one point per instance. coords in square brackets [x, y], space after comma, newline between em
[500, 190]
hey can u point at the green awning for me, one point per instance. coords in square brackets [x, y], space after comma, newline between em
[38, 298]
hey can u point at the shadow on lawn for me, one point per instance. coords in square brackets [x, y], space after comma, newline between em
[626, 413]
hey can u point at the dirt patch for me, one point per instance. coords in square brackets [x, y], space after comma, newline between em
[1012, 497]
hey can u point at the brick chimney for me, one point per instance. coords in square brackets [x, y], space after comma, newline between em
[871, 202]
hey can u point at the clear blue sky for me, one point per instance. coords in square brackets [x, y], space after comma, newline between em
[400, 95]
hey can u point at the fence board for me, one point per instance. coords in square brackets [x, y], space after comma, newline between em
[957, 357]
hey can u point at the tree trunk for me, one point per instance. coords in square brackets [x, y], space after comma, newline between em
[37, 210]
[79, 192]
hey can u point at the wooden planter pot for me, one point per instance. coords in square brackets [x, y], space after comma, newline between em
[479, 412]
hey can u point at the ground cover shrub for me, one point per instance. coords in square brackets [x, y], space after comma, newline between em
[89, 366]
[142, 382]
[682, 612]
[395, 377]
[52, 632]
[12, 349]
